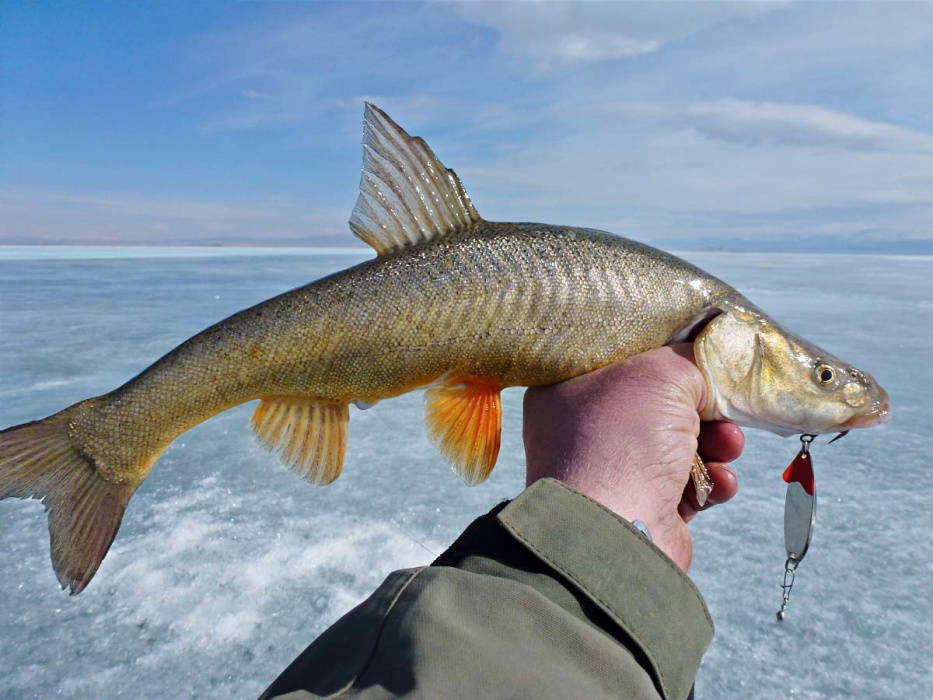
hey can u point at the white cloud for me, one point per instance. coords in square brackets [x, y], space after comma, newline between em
[549, 33]
[62, 216]
[139, 205]
[575, 47]
[290, 68]
[766, 123]
[704, 170]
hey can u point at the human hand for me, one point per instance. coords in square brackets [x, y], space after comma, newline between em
[625, 436]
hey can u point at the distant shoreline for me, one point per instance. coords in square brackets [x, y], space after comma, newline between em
[64, 252]
[899, 248]
[175, 245]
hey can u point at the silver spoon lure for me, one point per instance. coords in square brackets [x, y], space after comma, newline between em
[799, 516]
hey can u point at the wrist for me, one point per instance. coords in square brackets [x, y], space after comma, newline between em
[668, 531]
[629, 503]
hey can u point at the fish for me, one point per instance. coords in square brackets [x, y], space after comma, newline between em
[452, 304]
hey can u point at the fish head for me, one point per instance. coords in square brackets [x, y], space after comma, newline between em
[760, 375]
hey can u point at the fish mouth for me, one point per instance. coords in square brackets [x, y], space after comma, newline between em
[878, 413]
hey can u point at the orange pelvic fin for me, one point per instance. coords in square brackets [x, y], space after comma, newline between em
[464, 418]
[309, 435]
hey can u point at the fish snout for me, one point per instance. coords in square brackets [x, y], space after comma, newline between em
[876, 413]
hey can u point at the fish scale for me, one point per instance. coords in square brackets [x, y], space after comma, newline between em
[315, 353]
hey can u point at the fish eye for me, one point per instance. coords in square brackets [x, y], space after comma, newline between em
[825, 374]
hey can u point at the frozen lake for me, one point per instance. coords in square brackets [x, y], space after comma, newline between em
[227, 565]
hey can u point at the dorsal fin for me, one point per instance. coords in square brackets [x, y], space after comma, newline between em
[406, 194]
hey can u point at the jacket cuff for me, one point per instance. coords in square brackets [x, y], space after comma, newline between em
[610, 562]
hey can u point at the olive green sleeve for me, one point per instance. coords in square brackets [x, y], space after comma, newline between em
[549, 596]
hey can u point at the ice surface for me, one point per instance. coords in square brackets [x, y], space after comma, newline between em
[227, 565]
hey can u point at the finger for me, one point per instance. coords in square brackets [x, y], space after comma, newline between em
[725, 486]
[725, 483]
[720, 442]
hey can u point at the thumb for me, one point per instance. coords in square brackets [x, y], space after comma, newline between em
[675, 368]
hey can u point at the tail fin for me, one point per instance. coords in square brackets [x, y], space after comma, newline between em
[37, 460]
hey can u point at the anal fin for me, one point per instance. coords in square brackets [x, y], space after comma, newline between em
[309, 435]
[464, 418]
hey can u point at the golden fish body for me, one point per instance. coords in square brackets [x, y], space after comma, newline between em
[453, 303]
[518, 304]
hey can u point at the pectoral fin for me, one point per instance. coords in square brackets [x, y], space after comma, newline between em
[464, 418]
[309, 435]
[701, 480]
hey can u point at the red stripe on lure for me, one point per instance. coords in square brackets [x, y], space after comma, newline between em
[801, 471]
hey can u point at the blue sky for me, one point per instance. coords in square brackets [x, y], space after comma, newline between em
[688, 125]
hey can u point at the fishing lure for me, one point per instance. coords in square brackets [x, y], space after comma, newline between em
[799, 513]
